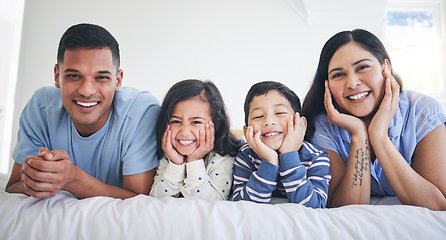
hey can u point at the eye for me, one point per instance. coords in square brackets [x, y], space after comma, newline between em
[280, 113]
[102, 77]
[196, 122]
[257, 117]
[72, 76]
[336, 75]
[362, 67]
[174, 122]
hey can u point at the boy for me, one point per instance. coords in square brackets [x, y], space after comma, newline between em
[276, 161]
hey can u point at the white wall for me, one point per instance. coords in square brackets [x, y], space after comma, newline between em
[234, 43]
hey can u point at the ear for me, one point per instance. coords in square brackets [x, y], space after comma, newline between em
[119, 77]
[387, 64]
[56, 76]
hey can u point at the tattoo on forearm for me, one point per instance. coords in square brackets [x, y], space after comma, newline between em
[361, 163]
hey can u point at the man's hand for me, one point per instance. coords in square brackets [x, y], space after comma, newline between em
[47, 173]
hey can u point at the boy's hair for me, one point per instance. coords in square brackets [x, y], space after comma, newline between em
[262, 88]
[225, 142]
[88, 36]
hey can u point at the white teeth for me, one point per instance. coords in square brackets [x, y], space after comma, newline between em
[359, 96]
[186, 142]
[271, 134]
[83, 104]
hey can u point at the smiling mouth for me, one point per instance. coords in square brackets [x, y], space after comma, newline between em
[271, 134]
[358, 96]
[86, 104]
[185, 142]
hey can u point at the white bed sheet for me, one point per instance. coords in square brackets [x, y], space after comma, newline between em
[144, 217]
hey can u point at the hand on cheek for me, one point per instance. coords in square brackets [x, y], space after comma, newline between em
[261, 149]
[206, 140]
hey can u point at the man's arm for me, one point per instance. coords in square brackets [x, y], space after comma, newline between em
[45, 175]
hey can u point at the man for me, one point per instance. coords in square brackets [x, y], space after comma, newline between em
[88, 135]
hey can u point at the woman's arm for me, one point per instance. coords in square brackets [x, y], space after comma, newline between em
[350, 184]
[425, 184]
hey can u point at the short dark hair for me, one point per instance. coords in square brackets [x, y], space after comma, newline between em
[225, 142]
[88, 36]
[313, 104]
[263, 88]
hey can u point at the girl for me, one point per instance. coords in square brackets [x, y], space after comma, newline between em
[195, 143]
[380, 141]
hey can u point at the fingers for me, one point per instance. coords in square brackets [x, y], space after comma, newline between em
[328, 102]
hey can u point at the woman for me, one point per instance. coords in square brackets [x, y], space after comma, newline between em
[381, 141]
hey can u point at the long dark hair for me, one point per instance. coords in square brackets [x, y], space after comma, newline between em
[225, 142]
[314, 100]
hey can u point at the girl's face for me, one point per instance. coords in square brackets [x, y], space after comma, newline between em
[270, 113]
[356, 80]
[188, 118]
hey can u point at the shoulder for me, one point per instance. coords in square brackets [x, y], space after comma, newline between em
[47, 96]
[131, 101]
[417, 101]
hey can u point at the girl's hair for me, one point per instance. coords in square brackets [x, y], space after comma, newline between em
[225, 142]
[314, 101]
[263, 88]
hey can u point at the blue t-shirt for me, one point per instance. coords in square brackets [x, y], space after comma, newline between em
[125, 145]
[417, 115]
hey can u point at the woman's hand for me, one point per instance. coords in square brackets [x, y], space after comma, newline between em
[379, 125]
[260, 148]
[166, 145]
[206, 139]
[348, 122]
[297, 126]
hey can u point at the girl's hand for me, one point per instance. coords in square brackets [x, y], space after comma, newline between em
[166, 145]
[297, 126]
[379, 125]
[348, 122]
[206, 140]
[261, 149]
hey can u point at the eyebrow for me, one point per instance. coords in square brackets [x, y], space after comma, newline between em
[76, 71]
[276, 105]
[355, 63]
[192, 118]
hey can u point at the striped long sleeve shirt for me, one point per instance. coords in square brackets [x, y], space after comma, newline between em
[302, 177]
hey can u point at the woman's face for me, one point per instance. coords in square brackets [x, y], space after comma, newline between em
[356, 80]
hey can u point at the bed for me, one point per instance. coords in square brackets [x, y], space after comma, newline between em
[143, 217]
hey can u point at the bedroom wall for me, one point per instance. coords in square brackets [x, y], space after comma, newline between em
[234, 43]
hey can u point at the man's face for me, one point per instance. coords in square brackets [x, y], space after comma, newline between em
[88, 81]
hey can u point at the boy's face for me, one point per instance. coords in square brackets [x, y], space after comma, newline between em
[270, 113]
[88, 80]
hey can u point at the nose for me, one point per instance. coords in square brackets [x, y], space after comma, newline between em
[87, 87]
[353, 81]
[269, 121]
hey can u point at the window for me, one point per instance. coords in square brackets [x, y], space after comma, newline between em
[416, 45]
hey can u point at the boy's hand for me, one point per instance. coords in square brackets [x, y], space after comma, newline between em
[166, 145]
[261, 149]
[297, 126]
[206, 140]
